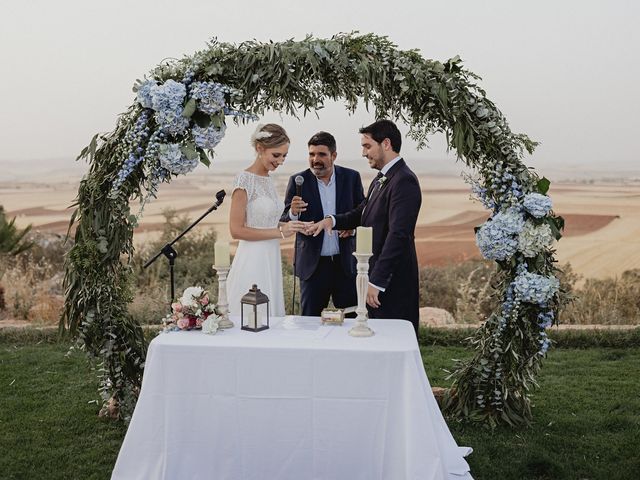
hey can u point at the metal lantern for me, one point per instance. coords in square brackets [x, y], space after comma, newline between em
[254, 313]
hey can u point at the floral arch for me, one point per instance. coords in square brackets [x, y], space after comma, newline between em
[180, 115]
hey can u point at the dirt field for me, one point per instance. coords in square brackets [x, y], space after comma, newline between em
[602, 236]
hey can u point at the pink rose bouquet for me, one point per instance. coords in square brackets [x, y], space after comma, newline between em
[190, 310]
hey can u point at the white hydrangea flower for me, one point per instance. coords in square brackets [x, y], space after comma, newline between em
[210, 325]
[189, 296]
[534, 239]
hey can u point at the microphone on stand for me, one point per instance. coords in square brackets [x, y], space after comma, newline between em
[220, 197]
[299, 180]
[171, 254]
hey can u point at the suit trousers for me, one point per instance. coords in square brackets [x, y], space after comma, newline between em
[328, 281]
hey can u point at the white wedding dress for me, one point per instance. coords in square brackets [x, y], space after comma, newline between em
[258, 262]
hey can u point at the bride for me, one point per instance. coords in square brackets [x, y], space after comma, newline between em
[254, 221]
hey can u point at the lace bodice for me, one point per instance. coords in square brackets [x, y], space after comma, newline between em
[264, 208]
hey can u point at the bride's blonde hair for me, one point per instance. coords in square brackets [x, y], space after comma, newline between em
[270, 135]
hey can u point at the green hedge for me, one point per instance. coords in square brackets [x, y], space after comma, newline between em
[585, 338]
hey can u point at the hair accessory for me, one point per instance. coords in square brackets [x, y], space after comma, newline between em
[259, 134]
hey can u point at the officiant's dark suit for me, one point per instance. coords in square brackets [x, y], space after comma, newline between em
[324, 265]
[391, 208]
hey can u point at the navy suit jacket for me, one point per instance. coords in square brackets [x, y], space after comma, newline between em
[392, 210]
[349, 194]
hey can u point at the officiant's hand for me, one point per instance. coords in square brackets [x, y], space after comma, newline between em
[289, 228]
[346, 233]
[298, 205]
[372, 296]
[325, 224]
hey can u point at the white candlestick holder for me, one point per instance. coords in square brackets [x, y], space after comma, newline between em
[223, 303]
[361, 329]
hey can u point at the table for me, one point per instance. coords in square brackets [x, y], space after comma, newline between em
[298, 401]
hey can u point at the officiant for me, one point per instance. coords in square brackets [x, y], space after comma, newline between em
[324, 264]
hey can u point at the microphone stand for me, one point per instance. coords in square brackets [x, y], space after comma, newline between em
[299, 180]
[295, 255]
[293, 297]
[171, 254]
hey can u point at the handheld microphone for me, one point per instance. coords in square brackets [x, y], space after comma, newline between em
[299, 181]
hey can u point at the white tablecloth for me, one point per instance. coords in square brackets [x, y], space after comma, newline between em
[298, 401]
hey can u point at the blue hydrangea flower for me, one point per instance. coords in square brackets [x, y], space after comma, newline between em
[534, 288]
[144, 93]
[537, 204]
[498, 236]
[168, 96]
[168, 102]
[172, 159]
[209, 137]
[210, 96]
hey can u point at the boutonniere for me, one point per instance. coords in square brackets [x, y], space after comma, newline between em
[382, 180]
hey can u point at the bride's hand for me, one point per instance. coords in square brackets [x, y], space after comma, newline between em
[289, 228]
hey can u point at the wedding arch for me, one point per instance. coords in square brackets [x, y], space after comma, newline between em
[181, 113]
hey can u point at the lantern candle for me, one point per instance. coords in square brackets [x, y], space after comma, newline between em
[221, 252]
[364, 237]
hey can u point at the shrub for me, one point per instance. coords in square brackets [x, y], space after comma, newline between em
[287, 274]
[33, 286]
[462, 289]
[610, 301]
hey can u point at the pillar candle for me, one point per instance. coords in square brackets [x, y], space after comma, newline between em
[221, 252]
[363, 239]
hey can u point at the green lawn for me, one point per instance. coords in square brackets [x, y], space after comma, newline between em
[587, 418]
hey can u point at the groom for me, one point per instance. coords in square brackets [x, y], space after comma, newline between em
[391, 208]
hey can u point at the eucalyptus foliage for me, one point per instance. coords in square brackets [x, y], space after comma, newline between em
[297, 77]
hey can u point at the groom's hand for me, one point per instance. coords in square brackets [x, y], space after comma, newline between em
[346, 233]
[372, 296]
[325, 224]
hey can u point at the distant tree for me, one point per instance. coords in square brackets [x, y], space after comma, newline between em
[12, 242]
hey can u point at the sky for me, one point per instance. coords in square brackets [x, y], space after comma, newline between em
[564, 72]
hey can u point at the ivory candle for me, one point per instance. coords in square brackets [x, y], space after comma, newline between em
[221, 253]
[364, 237]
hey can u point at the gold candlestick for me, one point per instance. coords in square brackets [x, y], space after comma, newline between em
[361, 329]
[223, 303]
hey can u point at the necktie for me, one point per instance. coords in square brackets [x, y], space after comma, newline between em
[376, 183]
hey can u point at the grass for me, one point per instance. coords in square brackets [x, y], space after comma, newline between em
[587, 416]
[586, 419]
[48, 424]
